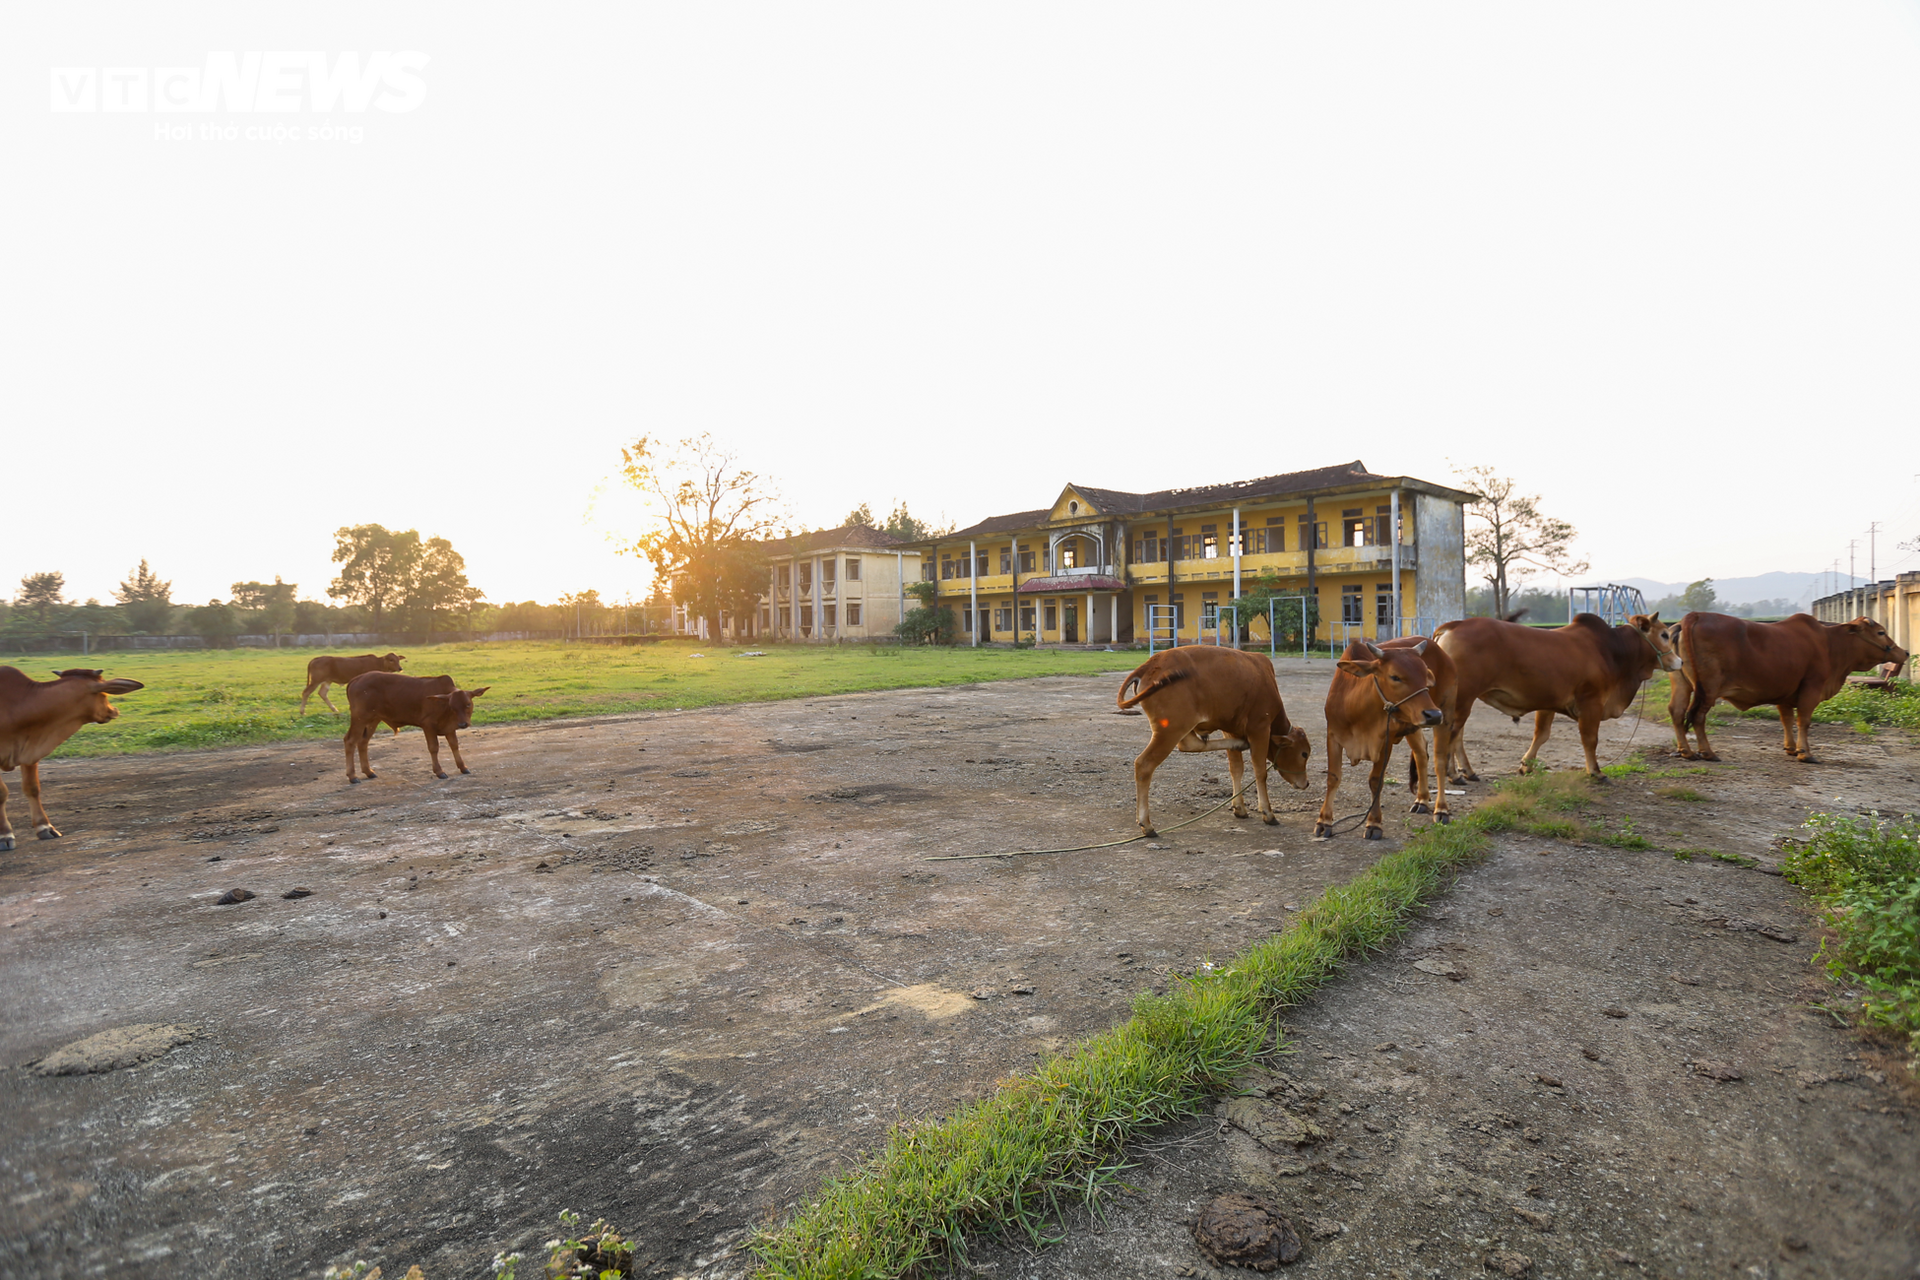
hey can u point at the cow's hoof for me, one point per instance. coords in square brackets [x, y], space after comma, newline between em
[1444, 819]
[1706, 755]
[1804, 758]
[6, 844]
[1599, 779]
[1269, 819]
[1241, 814]
[1148, 833]
[47, 832]
[440, 775]
[1323, 831]
[1472, 777]
[466, 770]
[353, 780]
[1421, 806]
[1374, 833]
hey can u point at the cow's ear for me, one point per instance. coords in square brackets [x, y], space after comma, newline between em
[1653, 620]
[121, 686]
[1358, 667]
[474, 693]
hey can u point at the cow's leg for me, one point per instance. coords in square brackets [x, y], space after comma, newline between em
[1786, 711]
[366, 741]
[1234, 771]
[6, 826]
[324, 698]
[433, 752]
[1590, 738]
[1417, 772]
[1323, 825]
[1258, 743]
[1699, 726]
[1542, 730]
[1375, 819]
[1807, 704]
[304, 695]
[1437, 771]
[1677, 714]
[453, 741]
[351, 741]
[30, 783]
[1158, 749]
[1465, 774]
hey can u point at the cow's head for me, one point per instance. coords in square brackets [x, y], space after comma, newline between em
[1288, 753]
[1872, 645]
[458, 704]
[392, 662]
[93, 692]
[1401, 678]
[1664, 637]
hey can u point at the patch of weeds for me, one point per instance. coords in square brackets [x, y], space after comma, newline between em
[1864, 871]
[1737, 859]
[1687, 794]
[1525, 803]
[1684, 855]
[1625, 838]
[1635, 763]
[1678, 773]
[598, 1253]
[1057, 1134]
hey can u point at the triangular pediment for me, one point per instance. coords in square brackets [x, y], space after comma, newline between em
[1073, 505]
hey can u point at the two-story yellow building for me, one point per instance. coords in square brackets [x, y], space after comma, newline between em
[1382, 555]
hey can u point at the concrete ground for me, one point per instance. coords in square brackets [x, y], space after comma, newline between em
[678, 968]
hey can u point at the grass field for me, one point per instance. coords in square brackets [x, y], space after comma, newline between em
[222, 697]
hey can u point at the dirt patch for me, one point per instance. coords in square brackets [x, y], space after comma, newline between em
[114, 1048]
[718, 991]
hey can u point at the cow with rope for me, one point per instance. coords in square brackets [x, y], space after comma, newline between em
[1190, 694]
[1379, 695]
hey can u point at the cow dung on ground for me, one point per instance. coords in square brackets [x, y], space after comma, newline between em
[112, 1049]
[1238, 1230]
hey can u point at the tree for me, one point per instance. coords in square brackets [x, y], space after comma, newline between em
[216, 621]
[928, 624]
[1513, 533]
[711, 515]
[1699, 597]
[860, 517]
[40, 597]
[439, 583]
[901, 524]
[147, 600]
[376, 567]
[1288, 602]
[272, 604]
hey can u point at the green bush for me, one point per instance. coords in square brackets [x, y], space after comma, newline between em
[1865, 874]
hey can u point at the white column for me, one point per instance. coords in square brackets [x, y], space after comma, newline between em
[1236, 556]
[1393, 531]
[1088, 637]
[818, 612]
[973, 593]
[1113, 618]
[900, 583]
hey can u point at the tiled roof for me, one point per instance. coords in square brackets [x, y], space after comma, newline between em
[1073, 583]
[849, 535]
[1002, 524]
[1116, 502]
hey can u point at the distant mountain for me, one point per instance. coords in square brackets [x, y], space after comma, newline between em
[1798, 587]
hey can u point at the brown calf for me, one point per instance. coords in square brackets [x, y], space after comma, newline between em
[331, 669]
[1585, 670]
[1189, 694]
[1379, 694]
[1793, 665]
[430, 703]
[36, 717]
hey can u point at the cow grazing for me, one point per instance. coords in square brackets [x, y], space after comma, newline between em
[1792, 665]
[36, 717]
[1192, 693]
[430, 703]
[1379, 695]
[331, 669]
[1586, 670]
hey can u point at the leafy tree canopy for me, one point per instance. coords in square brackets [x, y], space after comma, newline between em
[1508, 533]
[147, 600]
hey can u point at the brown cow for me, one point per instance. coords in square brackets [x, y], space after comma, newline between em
[1586, 670]
[1189, 694]
[1444, 685]
[329, 669]
[430, 703]
[1379, 694]
[1793, 665]
[35, 718]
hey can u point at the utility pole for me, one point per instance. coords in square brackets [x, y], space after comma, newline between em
[1873, 570]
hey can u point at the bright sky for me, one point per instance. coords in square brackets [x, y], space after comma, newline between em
[1658, 261]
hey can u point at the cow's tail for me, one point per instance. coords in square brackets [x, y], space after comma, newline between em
[1698, 703]
[1147, 690]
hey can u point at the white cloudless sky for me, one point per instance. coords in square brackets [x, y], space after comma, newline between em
[1660, 262]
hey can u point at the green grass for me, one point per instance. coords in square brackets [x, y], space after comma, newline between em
[223, 697]
[1687, 794]
[1865, 874]
[1057, 1133]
